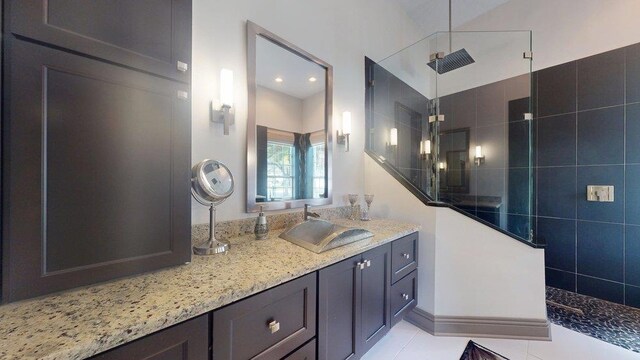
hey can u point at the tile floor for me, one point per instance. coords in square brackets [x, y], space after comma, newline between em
[407, 342]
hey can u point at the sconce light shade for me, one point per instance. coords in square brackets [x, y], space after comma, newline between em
[425, 149]
[346, 123]
[479, 151]
[479, 157]
[393, 137]
[226, 87]
[441, 165]
[343, 137]
[225, 113]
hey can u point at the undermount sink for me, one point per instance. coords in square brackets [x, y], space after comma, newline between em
[321, 235]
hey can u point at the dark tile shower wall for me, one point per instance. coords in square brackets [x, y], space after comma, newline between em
[588, 133]
[498, 190]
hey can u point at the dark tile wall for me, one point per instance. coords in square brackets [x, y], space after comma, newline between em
[498, 190]
[588, 133]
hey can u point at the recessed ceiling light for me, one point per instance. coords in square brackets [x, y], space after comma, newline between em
[312, 79]
[279, 79]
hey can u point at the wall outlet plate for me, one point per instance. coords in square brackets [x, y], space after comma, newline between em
[600, 193]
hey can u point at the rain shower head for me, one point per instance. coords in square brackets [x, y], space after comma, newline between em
[453, 61]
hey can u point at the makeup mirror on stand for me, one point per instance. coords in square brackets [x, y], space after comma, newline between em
[211, 184]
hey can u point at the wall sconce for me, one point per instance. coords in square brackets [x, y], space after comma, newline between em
[393, 139]
[343, 138]
[425, 149]
[224, 113]
[442, 165]
[479, 157]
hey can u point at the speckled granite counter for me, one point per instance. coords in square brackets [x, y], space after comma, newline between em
[80, 323]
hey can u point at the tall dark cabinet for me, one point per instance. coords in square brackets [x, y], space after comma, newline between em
[354, 304]
[96, 141]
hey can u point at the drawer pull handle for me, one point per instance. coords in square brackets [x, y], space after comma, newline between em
[274, 326]
[406, 256]
[405, 297]
[368, 262]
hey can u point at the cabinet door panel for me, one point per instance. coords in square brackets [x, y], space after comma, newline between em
[149, 35]
[186, 341]
[339, 311]
[96, 174]
[376, 279]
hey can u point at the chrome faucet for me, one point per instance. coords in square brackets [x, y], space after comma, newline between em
[308, 213]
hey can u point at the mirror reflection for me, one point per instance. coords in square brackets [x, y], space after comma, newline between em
[454, 172]
[291, 124]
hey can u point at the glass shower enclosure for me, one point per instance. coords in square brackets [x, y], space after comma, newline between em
[452, 114]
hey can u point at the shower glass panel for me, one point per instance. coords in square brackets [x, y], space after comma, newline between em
[452, 114]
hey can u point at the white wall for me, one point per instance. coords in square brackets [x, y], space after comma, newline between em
[339, 32]
[313, 113]
[568, 29]
[466, 269]
[481, 272]
[278, 110]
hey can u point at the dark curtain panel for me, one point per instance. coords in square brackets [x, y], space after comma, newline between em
[303, 161]
[261, 144]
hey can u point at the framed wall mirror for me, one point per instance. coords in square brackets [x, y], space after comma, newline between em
[454, 150]
[289, 124]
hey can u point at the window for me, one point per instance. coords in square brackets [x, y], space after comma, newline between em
[280, 176]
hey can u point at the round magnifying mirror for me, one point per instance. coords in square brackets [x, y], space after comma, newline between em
[211, 184]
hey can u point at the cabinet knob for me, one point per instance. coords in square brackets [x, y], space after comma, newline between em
[368, 262]
[182, 66]
[274, 326]
[361, 265]
[406, 256]
[405, 297]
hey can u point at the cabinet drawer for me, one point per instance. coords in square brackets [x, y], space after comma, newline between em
[404, 256]
[185, 341]
[307, 352]
[403, 296]
[269, 325]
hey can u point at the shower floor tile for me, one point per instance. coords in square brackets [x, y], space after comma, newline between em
[610, 322]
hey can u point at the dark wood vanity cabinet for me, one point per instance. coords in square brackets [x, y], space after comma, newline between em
[354, 309]
[96, 142]
[336, 313]
[186, 341]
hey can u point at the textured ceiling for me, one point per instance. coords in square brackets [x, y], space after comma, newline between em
[433, 15]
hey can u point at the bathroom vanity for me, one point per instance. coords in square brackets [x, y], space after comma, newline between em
[258, 301]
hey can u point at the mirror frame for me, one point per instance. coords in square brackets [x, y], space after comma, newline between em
[253, 31]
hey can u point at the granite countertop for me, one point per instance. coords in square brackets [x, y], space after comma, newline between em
[83, 322]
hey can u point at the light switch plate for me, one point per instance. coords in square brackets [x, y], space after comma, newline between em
[600, 193]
